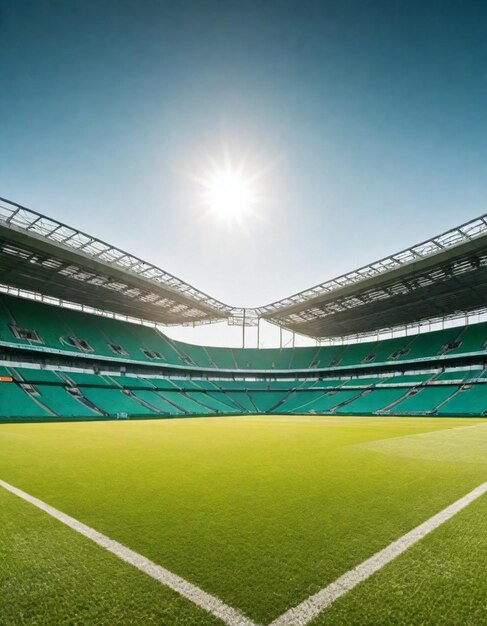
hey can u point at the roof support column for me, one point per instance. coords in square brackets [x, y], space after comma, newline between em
[243, 329]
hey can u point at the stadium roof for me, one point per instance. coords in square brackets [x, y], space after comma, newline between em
[40, 254]
[436, 279]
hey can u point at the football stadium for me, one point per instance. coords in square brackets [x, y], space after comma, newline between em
[243, 313]
[286, 485]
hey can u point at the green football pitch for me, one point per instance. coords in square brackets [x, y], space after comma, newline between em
[259, 511]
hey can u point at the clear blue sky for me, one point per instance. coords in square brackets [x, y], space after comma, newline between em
[369, 116]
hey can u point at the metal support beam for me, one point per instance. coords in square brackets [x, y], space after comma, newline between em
[243, 329]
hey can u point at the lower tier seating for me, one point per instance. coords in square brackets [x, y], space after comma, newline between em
[471, 399]
[425, 400]
[29, 393]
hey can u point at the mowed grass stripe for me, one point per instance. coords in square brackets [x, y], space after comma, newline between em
[318, 602]
[209, 603]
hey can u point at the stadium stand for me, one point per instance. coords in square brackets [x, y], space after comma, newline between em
[115, 402]
[160, 404]
[45, 393]
[36, 326]
[373, 400]
[468, 400]
[83, 379]
[425, 400]
[36, 375]
[62, 362]
[62, 403]
[36, 393]
[15, 402]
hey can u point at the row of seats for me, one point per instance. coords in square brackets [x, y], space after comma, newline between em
[38, 326]
[139, 381]
[31, 393]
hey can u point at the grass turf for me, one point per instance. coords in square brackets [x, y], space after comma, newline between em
[260, 511]
[51, 575]
[439, 581]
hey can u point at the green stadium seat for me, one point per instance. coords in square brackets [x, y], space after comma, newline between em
[300, 401]
[426, 401]
[332, 400]
[303, 358]
[242, 399]
[59, 400]
[473, 339]
[373, 401]
[16, 403]
[468, 400]
[160, 404]
[357, 353]
[430, 344]
[266, 401]
[129, 382]
[37, 375]
[455, 375]
[212, 402]
[49, 328]
[192, 355]
[186, 403]
[115, 402]
[85, 379]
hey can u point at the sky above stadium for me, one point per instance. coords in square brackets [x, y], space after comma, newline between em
[364, 124]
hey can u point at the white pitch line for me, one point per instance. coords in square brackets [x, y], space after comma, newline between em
[309, 609]
[299, 615]
[209, 603]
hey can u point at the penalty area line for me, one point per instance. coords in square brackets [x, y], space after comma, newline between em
[206, 601]
[311, 607]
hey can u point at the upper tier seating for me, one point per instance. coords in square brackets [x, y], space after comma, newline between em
[37, 326]
[430, 343]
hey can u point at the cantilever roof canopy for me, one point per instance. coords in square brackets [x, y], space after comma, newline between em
[40, 254]
[435, 279]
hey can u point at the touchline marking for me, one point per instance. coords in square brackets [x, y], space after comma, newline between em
[209, 603]
[299, 615]
[309, 609]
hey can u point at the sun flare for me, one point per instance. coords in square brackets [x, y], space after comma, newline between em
[229, 194]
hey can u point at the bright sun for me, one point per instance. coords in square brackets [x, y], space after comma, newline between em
[229, 194]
